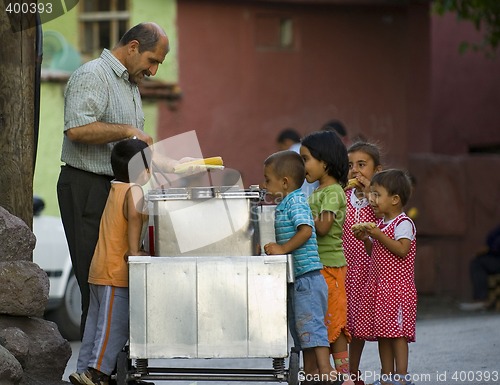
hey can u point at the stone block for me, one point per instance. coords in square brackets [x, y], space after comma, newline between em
[11, 372]
[17, 241]
[25, 289]
[48, 352]
[16, 342]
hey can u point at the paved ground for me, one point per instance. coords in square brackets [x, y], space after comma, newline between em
[452, 347]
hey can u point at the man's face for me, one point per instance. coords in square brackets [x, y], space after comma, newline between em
[146, 63]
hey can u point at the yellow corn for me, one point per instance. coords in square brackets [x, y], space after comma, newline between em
[213, 162]
[352, 183]
[363, 226]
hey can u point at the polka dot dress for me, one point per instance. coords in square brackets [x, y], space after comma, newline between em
[358, 262]
[389, 306]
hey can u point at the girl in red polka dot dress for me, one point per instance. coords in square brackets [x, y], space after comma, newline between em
[388, 309]
[364, 162]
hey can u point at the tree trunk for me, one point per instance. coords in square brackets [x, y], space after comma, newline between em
[17, 88]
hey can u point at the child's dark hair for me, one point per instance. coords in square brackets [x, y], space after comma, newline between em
[287, 164]
[327, 146]
[396, 182]
[370, 149]
[123, 152]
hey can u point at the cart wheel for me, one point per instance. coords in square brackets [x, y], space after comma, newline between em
[293, 367]
[123, 366]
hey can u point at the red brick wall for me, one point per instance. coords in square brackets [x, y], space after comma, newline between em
[465, 90]
[365, 65]
[382, 70]
[458, 200]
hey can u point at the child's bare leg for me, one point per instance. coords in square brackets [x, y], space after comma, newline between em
[355, 350]
[400, 348]
[340, 344]
[310, 362]
[386, 354]
[325, 368]
[340, 354]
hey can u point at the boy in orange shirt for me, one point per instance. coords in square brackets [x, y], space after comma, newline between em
[107, 326]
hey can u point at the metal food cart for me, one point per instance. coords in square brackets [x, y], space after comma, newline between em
[209, 292]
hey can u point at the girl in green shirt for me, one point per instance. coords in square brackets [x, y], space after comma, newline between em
[326, 161]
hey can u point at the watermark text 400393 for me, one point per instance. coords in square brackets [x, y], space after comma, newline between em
[22, 14]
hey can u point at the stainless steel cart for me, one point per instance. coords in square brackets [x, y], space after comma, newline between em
[209, 293]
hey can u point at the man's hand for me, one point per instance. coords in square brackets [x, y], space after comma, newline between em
[141, 135]
[168, 165]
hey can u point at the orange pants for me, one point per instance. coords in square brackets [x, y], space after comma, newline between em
[336, 315]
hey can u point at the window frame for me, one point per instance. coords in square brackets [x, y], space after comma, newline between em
[90, 21]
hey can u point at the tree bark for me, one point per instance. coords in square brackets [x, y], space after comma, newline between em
[17, 87]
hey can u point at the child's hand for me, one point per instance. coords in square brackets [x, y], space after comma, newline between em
[374, 232]
[360, 234]
[363, 230]
[273, 249]
[365, 184]
[134, 254]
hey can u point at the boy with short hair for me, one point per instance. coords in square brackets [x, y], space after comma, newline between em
[107, 326]
[284, 173]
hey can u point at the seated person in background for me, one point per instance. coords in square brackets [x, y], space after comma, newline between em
[484, 264]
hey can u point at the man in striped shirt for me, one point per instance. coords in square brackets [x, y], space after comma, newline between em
[102, 106]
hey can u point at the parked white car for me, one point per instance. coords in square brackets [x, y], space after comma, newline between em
[52, 255]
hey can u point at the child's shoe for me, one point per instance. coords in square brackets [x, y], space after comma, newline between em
[94, 377]
[75, 379]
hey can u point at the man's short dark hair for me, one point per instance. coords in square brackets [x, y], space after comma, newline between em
[146, 34]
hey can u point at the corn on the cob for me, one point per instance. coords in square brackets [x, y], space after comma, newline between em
[213, 162]
[363, 226]
[352, 183]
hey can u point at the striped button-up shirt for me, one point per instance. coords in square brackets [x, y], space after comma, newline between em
[99, 91]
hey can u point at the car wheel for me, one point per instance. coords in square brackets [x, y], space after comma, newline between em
[68, 315]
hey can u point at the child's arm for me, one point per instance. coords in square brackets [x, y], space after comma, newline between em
[399, 247]
[303, 233]
[362, 235]
[323, 222]
[133, 207]
[368, 245]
